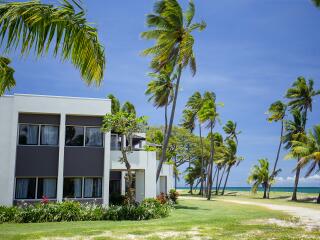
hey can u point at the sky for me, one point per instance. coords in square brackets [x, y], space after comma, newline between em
[250, 53]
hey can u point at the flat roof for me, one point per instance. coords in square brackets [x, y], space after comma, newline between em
[52, 96]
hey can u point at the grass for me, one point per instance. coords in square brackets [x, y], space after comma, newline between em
[198, 219]
[283, 198]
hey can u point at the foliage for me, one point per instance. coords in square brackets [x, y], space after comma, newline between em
[6, 75]
[162, 198]
[277, 111]
[37, 26]
[74, 211]
[173, 195]
[261, 175]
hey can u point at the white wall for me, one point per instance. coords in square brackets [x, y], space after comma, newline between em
[6, 167]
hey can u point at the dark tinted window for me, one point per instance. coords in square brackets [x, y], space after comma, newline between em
[74, 136]
[25, 188]
[72, 188]
[92, 187]
[94, 137]
[28, 134]
[47, 187]
[49, 135]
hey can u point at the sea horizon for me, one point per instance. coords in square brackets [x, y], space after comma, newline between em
[275, 189]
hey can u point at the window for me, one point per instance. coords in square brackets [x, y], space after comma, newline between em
[28, 134]
[74, 136]
[49, 135]
[72, 188]
[25, 188]
[94, 137]
[92, 187]
[47, 187]
[115, 142]
[115, 186]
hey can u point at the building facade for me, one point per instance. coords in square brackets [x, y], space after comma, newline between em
[53, 147]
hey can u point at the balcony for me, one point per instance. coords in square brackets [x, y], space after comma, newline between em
[137, 159]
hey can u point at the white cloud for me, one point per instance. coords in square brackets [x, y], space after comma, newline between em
[314, 179]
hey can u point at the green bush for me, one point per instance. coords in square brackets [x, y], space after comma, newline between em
[173, 195]
[74, 211]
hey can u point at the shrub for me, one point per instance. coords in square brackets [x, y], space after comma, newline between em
[117, 199]
[162, 198]
[74, 211]
[173, 195]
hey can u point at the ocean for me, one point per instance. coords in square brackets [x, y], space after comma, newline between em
[275, 189]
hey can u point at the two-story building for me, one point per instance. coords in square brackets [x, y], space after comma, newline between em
[53, 146]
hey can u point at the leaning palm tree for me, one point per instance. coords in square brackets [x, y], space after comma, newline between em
[301, 95]
[208, 114]
[190, 116]
[308, 148]
[37, 26]
[160, 90]
[230, 128]
[277, 112]
[260, 175]
[172, 29]
[231, 159]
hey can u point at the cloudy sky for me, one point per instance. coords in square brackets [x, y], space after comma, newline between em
[250, 53]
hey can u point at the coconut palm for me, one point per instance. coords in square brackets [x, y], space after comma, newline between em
[208, 114]
[37, 26]
[190, 116]
[115, 103]
[160, 90]
[6, 75]
[277, 112]
[231, 159]
[261, 175]
[294, 130]
[129, 108]
[230, 128]
[301, 95]
[172, 29]
[316, 3]
[308, 149]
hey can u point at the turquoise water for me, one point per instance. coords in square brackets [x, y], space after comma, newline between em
[275, 189]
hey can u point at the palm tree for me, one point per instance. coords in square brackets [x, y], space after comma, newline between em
[260, 175]
[277, 112]
[308, 148]
[6, 75]
[231, 159]
[161, 91]
[208, 113]
[230, 128]
[190, 116]
[172, 29]
[115, 103]
[301, 95]
[37, 26]
[294, 130]
[129, 108]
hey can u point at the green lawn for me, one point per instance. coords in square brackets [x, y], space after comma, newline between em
[192, 219]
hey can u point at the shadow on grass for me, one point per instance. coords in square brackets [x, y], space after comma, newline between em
[186, 207]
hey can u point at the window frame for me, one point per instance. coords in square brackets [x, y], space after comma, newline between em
[39, 134]
[37, 185]
[82, 188]
[84, 136]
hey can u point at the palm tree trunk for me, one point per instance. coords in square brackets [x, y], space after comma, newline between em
[175, 172]
[217, 181]
[265, 190]
[224, 170]
[278, 154]
[165, 119]
[210, 163]
[202, 162]
[296, 182]
[318, 200]
[225, 182]
[168, 133]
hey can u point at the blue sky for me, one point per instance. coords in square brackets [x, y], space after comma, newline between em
[250, 53]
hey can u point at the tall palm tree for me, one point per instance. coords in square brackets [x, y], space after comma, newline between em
[37, 26]
[260, 175]
[208, 113]
[231, 159]
[301, 95]
[277, 112]
[172, 29]
[190, 116]
[160, 90]
[308, 148]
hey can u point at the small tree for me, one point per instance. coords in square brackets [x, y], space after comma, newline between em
[260, 174]
[125, 124]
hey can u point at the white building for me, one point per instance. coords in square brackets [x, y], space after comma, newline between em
[53, 146]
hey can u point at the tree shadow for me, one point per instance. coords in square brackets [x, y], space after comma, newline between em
[186, 207]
